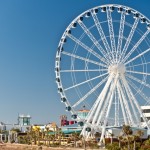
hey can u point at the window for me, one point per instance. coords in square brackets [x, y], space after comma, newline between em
[148, 118]
[146, 111]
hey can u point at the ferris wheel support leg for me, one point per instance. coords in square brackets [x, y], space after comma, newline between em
[92, 111]
[116, 109]
[104, 109]
[122, 106]
[102, 97]
[101, 115]
[131, 102]
[137, 105]
[131, 120]
[98, 104]
[90, 116]
[108, 110]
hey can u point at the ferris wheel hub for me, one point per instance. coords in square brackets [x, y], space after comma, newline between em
[117, 69]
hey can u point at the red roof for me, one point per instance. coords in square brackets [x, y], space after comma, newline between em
[83, 110]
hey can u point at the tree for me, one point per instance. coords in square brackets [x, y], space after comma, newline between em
[135, 138]
[140, 133]
[83, 141]
[111, 134]
[127, 132]
[120, 138]
[75, 137]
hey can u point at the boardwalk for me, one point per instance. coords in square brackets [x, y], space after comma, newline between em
[34, 147]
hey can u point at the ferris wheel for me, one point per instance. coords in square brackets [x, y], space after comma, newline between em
[103, 63]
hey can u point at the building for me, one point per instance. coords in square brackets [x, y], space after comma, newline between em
[146, 113]
[24, 120]
[83, 113]
[52, 126]
[2, 126]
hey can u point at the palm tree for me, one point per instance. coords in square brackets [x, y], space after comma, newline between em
[111, 134]
[140, 133]
[59, 134]
[29, 134]
[75, 137]
[127, 132]
[120, 138]
[46, 135]
[135, 138]
[83, 141]
[35, 134]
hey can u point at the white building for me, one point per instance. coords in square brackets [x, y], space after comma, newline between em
[2, 126]
[83, 113]
[24, 120]
[146, 113]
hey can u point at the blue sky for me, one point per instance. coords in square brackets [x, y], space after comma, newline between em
[29, 34]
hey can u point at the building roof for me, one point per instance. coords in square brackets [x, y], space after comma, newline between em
[52, 125]
[83, 110]
[2, 123]
[145, 107]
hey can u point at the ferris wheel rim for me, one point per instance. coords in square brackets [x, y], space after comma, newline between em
[124, 61]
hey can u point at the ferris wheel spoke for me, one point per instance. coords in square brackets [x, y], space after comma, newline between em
[90, 35]
[131, 102]
[139, 91]
[90, 92]
[126, 106]
[101, 33]
[136, 46]
[136, 72]
[141, 64]
[90, 70]
[88, 48]
[138, 80]
[85, 81]
[84, 59]
[136, 103]
[137, 56]
[120, 38]
[111, 32]
[122, 106]
[129, 38]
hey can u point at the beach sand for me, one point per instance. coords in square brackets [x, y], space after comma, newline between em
[8, 146]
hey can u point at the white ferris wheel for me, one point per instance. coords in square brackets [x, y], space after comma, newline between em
[103, 62]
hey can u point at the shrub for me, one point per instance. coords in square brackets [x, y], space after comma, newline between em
[113, 146]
